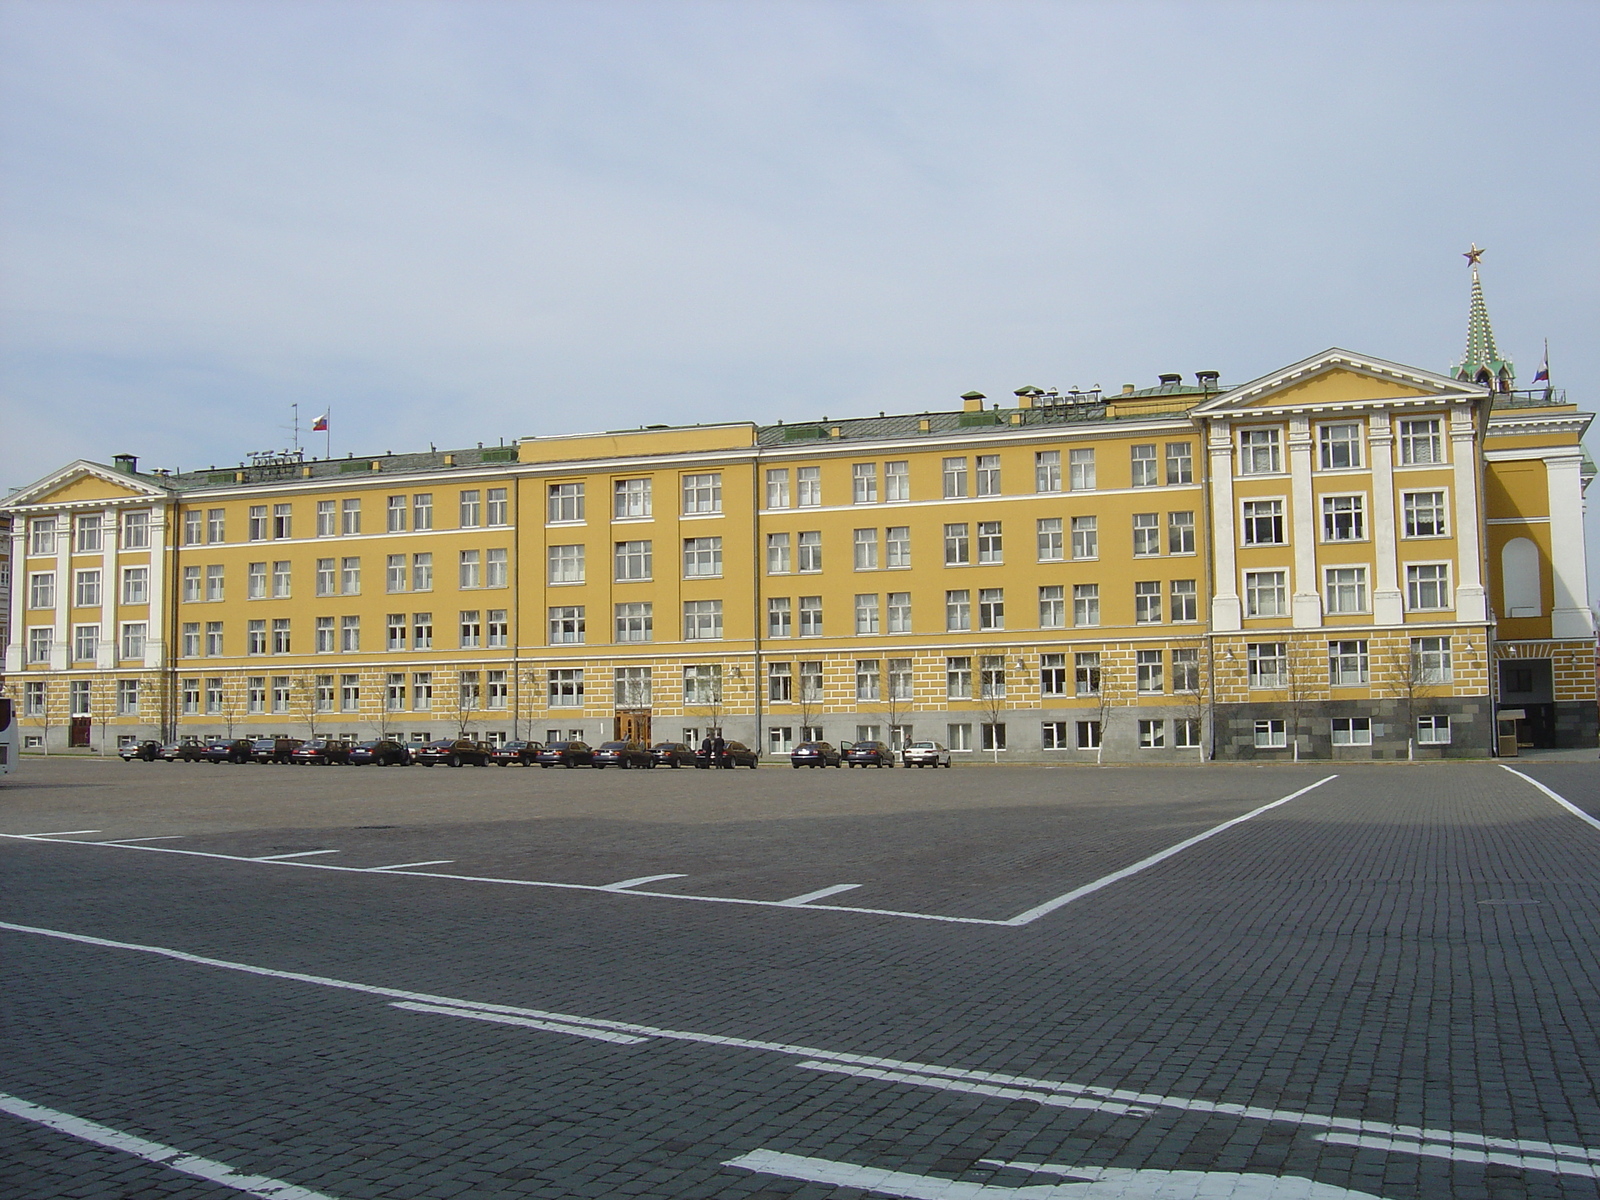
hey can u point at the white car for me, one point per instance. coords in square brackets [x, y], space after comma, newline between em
[925, 754]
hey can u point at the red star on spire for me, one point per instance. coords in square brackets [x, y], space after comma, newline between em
[1473, 256]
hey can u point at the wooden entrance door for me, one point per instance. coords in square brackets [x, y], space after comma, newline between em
[78, 732]
[632, 725]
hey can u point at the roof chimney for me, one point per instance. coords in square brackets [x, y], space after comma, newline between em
[126, 463]
[972, 401]
[1208, 379]
[1169, 378]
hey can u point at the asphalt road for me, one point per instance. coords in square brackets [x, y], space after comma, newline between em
[971, 985]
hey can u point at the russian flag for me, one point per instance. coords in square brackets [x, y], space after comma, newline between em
[320, 425]
[1543, 374]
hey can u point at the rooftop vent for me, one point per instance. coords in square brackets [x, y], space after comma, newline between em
[127, 463]
[1169, 378]
[1208, 379]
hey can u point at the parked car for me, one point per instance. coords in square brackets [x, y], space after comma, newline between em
[233, 750]
[185, 750]
[385, 752]
[142, 751]
[524, 754]
[452, 752]
[324, 751]
[925, 754]
[672, 754]
[565, 754]
[734, 754]
[814, 754]
[621, 754]
[274, 750]
[869, 754]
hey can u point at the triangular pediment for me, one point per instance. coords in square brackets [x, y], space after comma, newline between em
[1340, 379]
[84, 482]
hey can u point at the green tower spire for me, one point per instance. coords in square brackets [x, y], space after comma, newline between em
[1482, 364]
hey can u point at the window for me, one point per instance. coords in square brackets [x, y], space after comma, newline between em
[1267, 664]
[325, 635]
[256, 524]
[702, 620]
[395, 631]
[470, 569]
[810, 550]
[89, 534]
[1143, 466]
[216, 525]
[992, 676]
[1147, 666]
[214, 582]
[136, 530]
[1086, 604]
[1088, 733]
[567, 624]
[1263, 522]
[634, 560]
[1348, 665]
[811, 682]
[808, 485]
[896, 481]
[1420, 442]
[1430, 661]
[702, 493]
[1147, 602]
[422, 572]
[1424, 514]
[1052, 674]
[1265, 594]
[780, 739]
[1053, 735]
[1080, 470]
[810, 616]
[565, 503]
[350, 576]
[959, 737]
[422, 511]
[900, 679]
[350, 517]
[1352, 731]
[216, 698]
[191, 639]
[866, 550]
[777, 554]
[350, 635]
[422, 631]
[394, 573]
[867, 680]
[134, 634]
[469, 692]
[1085, 537]
[471, 509]
[864, 483]
[958, 678]
[397, 508]
[33, 698]
[1053, 607]
[954, 474]
[702, 685]
[327, 578]
[631, 499]
[631, 684]
[1427, 586]
[1344, 518]
[394, 693]
[778, 488]
[327, 518]
[280, 580]
[421, 691]
[214, 639]
[899, 612]
[470, 629]
[958, 610]
[1186, 733]
[991, 608]
[85, 642]
[1346, 589]
[1259, 452]
[994, 735]
[956, 548]
[867, 613]
[988, 474]
[255, 637]
[1047, 471]
[255, 694]
[42, 535]
[496, 512]
[86, 589]
[1340, 446]
[191, 529]
[1047, 531]
[1185, 600]
[990, 548]
[1186, 670]
[189, 702]
[1180, 463]
[42, 589]
[1433, 730]
[780, 682]
[779, 617]
[565, 564]
[1152, 735]
[128, 697]
[897, 547]
[1271, 735]
[1146, 534]
[1180, 533]
[349, 693]
[255, 581]
[497, 628]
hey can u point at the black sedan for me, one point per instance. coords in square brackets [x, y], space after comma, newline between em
[869, 754]
[672, 754]
[233, 750]
[274, 750]
[565, 754]
[814, 754]
[141, 751]
[385, 752]
[734, 754]
[452, 752]
[188, 750]
[322, 751]
[524, 754]
[621, 754]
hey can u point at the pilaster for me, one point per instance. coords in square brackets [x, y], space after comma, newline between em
[1471, 599]
[1226, 611]
[1306, 601]
[1388, 604]
[1570, 616]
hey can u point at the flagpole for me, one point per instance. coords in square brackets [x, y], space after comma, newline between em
[295, 408]
[328, 430]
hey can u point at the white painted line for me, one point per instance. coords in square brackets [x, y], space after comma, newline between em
[1044, 1097]
[1556, 796]
[165, 1156]
[171, 837]
[472, 1014]
[797, 901]
[436, 862]
[1556, 1166]
[922, 1071]
[628, 883]
[57, 833]
[281, 857]
[1050, 906]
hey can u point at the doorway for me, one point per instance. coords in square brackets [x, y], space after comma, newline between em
[78, 733]
[632, 725]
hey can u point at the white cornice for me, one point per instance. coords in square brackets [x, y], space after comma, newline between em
[19, 501]
[1445, 390]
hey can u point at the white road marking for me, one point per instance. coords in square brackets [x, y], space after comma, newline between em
[1044, 1097]
[631, 887]
[1556, 796]
[820, 893]
[1049, 906]
[1098, 1183]
[435, 862]
[165, 1156]
[1556, 1166]
[472, 1014]
[57, 833]
[924, 1071]
[171, 837]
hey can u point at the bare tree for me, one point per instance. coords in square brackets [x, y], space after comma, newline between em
[1412, 677]
[1108, 691]
[1298, 684]
[703, 691]
[896, 700]
[468, 700]
[1190, 686]
[302, 702]
[991, 697]
[808, 698]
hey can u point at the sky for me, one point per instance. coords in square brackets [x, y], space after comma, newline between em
[452, 223]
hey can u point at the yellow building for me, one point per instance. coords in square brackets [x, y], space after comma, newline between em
[1344, 558]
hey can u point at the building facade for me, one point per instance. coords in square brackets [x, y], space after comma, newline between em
[1347, 558]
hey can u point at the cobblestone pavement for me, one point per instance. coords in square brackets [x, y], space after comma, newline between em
[1384, 987]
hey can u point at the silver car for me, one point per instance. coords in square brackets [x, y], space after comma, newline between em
[925, 754]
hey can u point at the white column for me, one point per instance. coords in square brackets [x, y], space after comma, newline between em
[1225, 607]
[1472, 601]
[60, 651]
[1570, 617]
[1388, 607]
[19, 545]
[155, 646]
[110, 540]
[1306, 602]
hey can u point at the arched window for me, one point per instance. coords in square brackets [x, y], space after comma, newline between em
[1519, 578]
